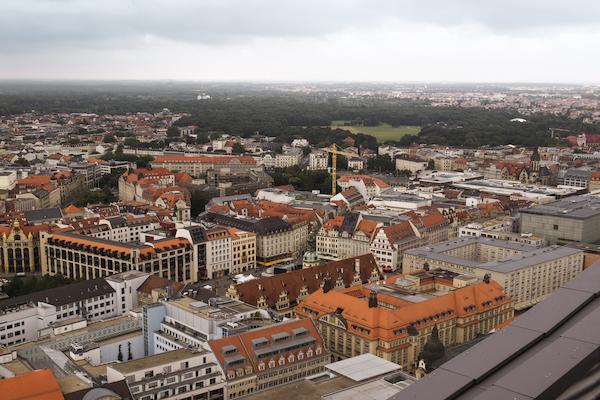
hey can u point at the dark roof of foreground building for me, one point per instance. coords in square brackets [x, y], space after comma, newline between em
[576, 207]
[62, 295]
[263, 226]
[550, 352]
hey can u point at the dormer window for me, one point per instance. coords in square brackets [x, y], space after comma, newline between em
[319, 350]
[261, 366]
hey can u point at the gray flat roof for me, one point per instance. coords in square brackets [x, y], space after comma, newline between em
[155, 360]
[365, 366]
[530, 255]
[578, 207]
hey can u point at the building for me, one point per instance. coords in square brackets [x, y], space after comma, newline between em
[357, 163]
[128, 228]
[390, 242]
[413, 165]
[198, 166]
[280, 293]
[289, 158]
[218, 252]
[344, 237]
[577, 178]
[187, 322]
[395, 324]
[277, 241]
[83, 257]
[549, 352]
[528, 273]
[368, 186]
[179, 374]
[318, 160]
[243, 250]
[62, 309]
[39, 384]
[265, 358]
[20, 248]
[573, 219]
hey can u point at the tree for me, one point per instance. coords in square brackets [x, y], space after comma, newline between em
[202, 138]
[381, 163]
[102, 196]
[22, 162]
[173, 131]
[238, 148]
[430, 165]
[109, 138]
[120, 355]
[129, 355]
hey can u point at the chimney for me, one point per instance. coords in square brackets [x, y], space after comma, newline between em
[487, 278]
[357, 265]
[373, 299]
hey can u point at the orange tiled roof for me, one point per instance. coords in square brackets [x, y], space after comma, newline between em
[35, 180]
[367, 180]
[34, 385]
[245, 347]
[385, 323]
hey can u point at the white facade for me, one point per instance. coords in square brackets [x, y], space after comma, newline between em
[318, 160]
[177, 375]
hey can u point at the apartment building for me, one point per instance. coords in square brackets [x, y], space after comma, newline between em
[177, 375]
[395, 323]
[413, 165]
[218, 252]
[243, 250]
[318, 160]
[344, 237]
[128, 227]
[527, 273]
[280, 293]
[265, 358]
[83, 257]
[289, 158]
[276, 240]
[197, 166]
[59, 310]
[368, 186]
[390, 242]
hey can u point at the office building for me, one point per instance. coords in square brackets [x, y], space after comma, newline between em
[572, 219]
[83, 257]
[396, 323]
[527, 273]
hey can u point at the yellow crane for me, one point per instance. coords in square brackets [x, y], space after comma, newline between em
[333, 149]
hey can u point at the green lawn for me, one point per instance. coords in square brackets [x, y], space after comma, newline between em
[382, 132]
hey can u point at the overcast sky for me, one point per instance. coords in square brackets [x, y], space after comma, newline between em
[303, 40]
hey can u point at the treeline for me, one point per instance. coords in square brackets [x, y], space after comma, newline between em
[302, 180]
[249, 109]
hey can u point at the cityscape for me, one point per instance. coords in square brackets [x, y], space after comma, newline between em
[176, 232]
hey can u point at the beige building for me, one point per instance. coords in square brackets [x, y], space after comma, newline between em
[243, 250]
[335, 243]
[218, 252]
[20, 248]
[288, 159]
[197, 166]
[528, 273]
[444, 164]
[413, 165]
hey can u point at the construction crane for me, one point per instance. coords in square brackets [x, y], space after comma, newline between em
[333, 149]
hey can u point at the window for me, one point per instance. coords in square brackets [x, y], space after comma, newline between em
[555, 227]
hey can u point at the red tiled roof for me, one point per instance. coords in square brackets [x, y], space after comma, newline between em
[34, 385]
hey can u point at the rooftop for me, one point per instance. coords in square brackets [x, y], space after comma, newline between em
[365, 366]
[549, 352]
[34, 385]
[578, 207]
[527, 256]
[154, 361]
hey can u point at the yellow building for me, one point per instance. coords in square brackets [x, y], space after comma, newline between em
[243, 250]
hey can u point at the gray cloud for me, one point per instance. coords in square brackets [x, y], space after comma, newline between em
[27, 25]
